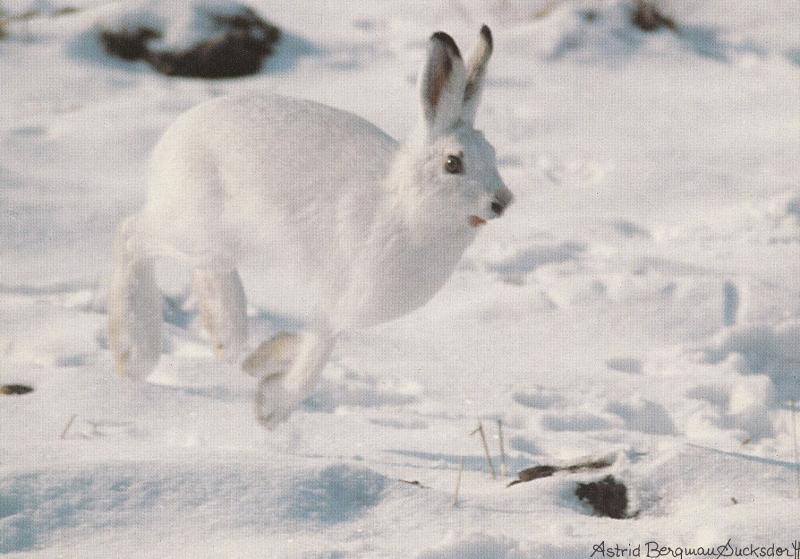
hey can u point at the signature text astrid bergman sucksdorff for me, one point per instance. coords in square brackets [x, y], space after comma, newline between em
[728, 549]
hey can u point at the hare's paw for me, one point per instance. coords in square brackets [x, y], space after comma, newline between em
[274, 403]
[273, 356]
[134, 329]
[290, 367]
[134, 364]
[134, 308]
[223, 309]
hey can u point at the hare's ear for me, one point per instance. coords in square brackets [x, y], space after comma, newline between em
[441, 83]
[476, 70]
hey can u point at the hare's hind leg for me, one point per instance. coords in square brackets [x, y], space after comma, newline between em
[223, 308]
[134, 306]
[278, 394]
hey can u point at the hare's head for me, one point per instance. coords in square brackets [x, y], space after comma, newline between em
[451, 167]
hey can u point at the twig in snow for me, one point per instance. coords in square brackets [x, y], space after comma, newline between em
[538, 472]
[458, 483]
[68, 425]
[796, 452]
[503, 467]
[547, 9]
[415, 482]
[485, 448]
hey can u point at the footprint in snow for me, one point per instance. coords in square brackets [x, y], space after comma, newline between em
[580, 421]
[540, 398]
[625, 365]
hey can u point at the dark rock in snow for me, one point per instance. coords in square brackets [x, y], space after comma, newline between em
[608, 497]
[128, 45]
[236, 46]
[648, 18]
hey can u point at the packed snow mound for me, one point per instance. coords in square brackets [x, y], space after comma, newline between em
[772, 350]
[202, 38]
[35, 506]
[611, 31]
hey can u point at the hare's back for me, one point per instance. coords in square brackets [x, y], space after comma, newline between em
[287, 146]
[293, 181]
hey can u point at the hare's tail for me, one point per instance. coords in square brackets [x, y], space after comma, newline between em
[134, 305]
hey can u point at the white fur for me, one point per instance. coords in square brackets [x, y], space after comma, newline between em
[370, 227]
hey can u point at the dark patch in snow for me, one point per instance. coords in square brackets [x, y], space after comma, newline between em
[793, 205]
[29, 131]
[536, 256]
[15, 389]
[75, 360]
[575, 422]
[175, 311]
[643, 416]
[364, 24]
[337, 494]
[647, 17]
[625, 365]
[712, 394]
[397, 423]
[238, 47]
[9, 506]
[630, 230]
[669, 290]
[608, 497]
[330, 396]
[524, 444]
[127, 44]
[541, 399]
[589, 15]
[731, 306]
[16, 534]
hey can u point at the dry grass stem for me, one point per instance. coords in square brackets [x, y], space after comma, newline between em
[485, 448]
[458, 483]
[503, 467]
[68, 425]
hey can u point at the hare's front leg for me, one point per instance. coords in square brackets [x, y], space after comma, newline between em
[134, 305]
[280, 393]
[223, 308]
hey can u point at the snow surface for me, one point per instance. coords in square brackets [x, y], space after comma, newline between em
[640, 301]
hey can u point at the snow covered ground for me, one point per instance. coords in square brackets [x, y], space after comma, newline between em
[640, 301]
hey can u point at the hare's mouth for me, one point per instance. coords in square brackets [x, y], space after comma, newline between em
[475, 221]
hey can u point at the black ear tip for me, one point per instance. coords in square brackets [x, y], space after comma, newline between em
[486, 33]
[447, 40]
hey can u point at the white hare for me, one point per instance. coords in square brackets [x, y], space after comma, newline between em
[371, 227]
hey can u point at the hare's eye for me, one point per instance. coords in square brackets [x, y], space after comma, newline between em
[453, 165]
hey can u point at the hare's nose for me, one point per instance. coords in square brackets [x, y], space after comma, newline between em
[501, 200]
